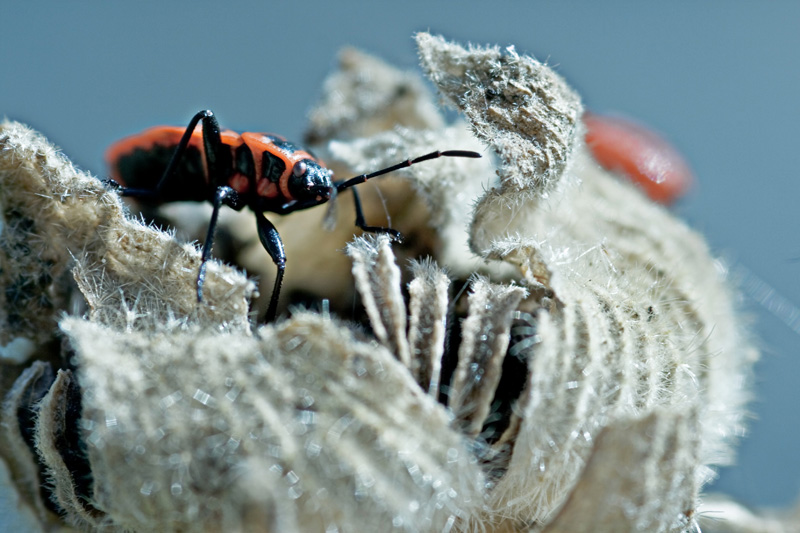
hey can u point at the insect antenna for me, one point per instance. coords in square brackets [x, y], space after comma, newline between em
[407, 163]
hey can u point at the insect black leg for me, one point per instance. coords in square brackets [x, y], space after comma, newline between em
[274, 246]
[362, 223]
[223, 195]
[212, 144]
[211, 140]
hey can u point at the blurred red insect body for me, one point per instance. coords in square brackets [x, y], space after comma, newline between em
[639, 154]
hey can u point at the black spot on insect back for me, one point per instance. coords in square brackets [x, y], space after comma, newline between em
[284, 146]
[272, 167]
[244, 161]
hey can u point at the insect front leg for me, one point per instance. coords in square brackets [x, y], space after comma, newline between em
[274, 246]
[223, 195]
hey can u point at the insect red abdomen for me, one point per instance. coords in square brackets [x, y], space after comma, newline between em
[640, 155]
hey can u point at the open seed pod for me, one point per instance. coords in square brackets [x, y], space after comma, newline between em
[568, 359]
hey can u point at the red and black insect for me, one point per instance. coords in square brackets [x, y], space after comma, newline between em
[257, 170]
[640, 155]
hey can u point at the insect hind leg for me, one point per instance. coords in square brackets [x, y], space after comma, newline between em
[352, 182]
[212, 144]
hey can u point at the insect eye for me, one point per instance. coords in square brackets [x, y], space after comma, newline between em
[299, 169]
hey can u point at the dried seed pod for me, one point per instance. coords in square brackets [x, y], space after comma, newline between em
[378, 279]
[519, 106]
[632, 315]
[302, 428]
[592, 383]
[427, 328]
[662, 445]
[366, 96]
[485, 334]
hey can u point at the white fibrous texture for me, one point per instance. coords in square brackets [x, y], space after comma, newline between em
[277, 432]
[516, 105]
[559, 355]
[633, 319]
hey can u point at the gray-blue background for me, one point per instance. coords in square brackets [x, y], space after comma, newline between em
[721, 80]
